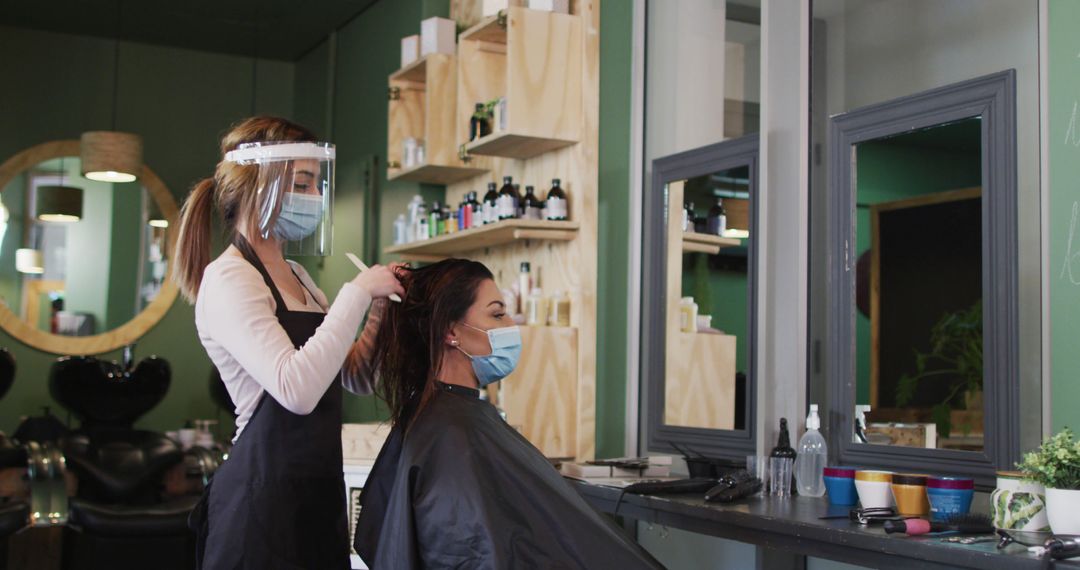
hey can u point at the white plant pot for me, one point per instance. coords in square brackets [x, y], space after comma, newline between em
[1063, 510]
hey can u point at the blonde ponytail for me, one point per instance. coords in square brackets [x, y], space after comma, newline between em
[193, 243]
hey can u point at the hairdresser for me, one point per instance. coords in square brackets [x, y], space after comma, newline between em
[278, 501]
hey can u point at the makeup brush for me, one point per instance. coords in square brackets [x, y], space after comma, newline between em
[966, 523]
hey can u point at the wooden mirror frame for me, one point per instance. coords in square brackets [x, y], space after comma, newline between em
[130, 331]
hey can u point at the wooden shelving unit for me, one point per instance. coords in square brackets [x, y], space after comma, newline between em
[547, 66]
[706, 243]
[534, 59]
[498, 234]
[422, 105]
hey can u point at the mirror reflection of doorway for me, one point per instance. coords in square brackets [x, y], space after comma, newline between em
[919, 287]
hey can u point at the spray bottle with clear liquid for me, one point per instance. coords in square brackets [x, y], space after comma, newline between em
[813, 454]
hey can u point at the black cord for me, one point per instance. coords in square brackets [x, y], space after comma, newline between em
[116, 64]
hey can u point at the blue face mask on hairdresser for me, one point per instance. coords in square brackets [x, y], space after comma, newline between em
[505, 352]
[299, 217]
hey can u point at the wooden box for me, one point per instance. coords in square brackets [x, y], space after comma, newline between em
[422, 98]
[534, 60]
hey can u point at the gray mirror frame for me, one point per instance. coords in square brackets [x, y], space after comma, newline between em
[734, 445]
[993, 97]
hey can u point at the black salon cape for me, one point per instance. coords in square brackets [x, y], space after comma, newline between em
[462, 489]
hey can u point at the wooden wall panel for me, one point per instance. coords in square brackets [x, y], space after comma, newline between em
[545, 99]
[540, 398]
[699, 388]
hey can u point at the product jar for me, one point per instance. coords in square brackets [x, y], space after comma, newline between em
[910, 494]
[875, 489]
[840, 486]
[949, 496]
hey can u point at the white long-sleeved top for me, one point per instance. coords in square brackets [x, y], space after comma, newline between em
[234, 315]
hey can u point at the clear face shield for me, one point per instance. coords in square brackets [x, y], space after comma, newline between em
[295, 185]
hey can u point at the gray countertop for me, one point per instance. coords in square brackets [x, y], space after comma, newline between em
[795, 525]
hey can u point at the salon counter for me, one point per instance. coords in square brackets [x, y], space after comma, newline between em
[794, 525]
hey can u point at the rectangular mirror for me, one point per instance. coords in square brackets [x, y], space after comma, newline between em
[699, 302]
[923, 280]
[918, 324]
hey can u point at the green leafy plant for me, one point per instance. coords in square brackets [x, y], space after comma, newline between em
[956, 349]
[488, 112]
[1056, 464]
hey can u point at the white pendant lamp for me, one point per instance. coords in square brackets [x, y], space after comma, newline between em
[112, 156]
[28, 260]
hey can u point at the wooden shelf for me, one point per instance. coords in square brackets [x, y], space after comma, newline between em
[415, 72]
[423, 99]
[533, 59]
[491, 235]
[510, 145]
[706, 243]
[487, 30]
[434, 174]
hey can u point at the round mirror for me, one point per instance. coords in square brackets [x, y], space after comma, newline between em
[84, 265]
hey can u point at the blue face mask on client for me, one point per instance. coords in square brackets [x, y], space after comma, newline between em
[505, 352]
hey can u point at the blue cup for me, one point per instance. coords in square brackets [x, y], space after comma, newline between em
[840, 485]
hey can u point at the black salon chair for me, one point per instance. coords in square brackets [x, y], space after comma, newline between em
[14, 512]
[120, 516]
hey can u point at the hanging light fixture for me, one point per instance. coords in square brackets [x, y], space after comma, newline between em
[112, 156]
[59, 203]
[154, 217]
[29, 260]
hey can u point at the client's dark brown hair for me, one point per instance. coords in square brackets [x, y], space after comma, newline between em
[410, 343]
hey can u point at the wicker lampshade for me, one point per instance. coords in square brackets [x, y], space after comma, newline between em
[59, 203]
[29, 260]
[111, 156]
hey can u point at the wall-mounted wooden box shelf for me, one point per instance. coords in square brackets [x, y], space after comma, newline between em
[706, 243]
[491, 235]
[534, 60]
[423, 98]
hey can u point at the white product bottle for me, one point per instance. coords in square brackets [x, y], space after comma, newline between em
[813, 454]
[401, 230]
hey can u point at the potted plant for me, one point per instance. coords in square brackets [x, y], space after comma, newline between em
[1056, 464]
[956, 350]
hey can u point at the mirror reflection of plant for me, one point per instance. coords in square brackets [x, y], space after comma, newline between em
[1056, 464]
[956, 349]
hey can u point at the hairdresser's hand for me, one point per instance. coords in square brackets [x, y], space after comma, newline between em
[379, 281]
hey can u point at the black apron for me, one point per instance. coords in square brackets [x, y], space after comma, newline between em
[279, 500]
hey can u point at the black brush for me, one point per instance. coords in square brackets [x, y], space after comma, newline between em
[959, 523]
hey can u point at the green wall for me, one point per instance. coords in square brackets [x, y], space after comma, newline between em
[180, 101]
[890, 170]
[14, 200]
[616, 49]
[1064, 212]
[126, 237]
